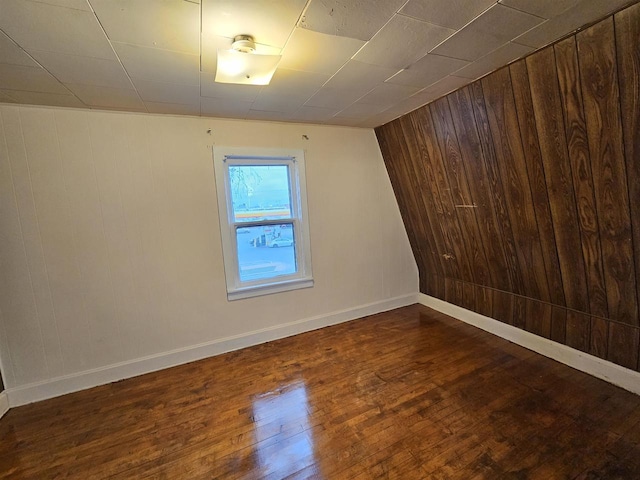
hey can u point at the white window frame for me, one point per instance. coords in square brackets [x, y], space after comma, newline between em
[223, 157]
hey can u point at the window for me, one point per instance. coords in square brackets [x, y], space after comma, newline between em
[263, 220]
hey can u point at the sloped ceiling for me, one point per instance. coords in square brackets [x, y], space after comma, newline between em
[352, 62]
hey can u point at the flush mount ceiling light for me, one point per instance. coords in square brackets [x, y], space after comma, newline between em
[243, 65]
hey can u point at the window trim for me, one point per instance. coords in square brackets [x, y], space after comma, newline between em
[223, 157]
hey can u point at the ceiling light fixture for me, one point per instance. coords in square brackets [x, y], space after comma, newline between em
[242, 65]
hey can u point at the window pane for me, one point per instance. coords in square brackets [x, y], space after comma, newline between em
[260, 192]
[266, 251]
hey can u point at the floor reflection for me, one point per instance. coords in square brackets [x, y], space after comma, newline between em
[284, 440]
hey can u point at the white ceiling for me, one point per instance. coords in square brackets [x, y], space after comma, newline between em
[345, 62]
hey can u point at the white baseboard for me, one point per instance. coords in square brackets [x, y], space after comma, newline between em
[4, 403]
[100, 376]
[612, 373]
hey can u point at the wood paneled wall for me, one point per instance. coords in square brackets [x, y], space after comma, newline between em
[521, 192]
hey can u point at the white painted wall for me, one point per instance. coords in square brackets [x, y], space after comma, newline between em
[110, 247]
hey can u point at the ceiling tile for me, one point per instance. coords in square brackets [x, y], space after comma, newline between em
[388, 94]
[409, 104]
[361, 110]
[335, 98]
[40, 98]
[269, 22]
[32, 79]
[167, 92]
[278, 103]
[6, 98]
[295, 83]
[429, 69]
[317, 52]
[442, 87]
[159, 65]
[220, 107]
[272, 116]
[107, 97]
[84, 70]
[40, 26]
[541, 8]
[349, 19]
[345, 121]
[173, 108]
[451, 13]
[585, 12]
[360, 76]
[12, 54]
[150, 23]
[496, 59]
[77, 4]
[241, 93]
[486, 33]
[401, 42]
[313, 114]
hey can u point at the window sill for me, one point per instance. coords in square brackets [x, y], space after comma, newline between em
[270, 288]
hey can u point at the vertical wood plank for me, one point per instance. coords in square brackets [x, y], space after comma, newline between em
[479, 187]
[624, 342]
[599, 79]
[549, 122]
[538, 318]
[627, 27]
[520, 312]
[469, 296]
[484, 301]
[578, 147]
[578, 331]
[438, 282]
[501, 112]
[599, 337]
[420, 163]
[459, 190]
[453, 291]
[536, 181]
[496, 189]
[451, 232]
[405, 169]
[559, 324]
[400, 194]
[503, 306]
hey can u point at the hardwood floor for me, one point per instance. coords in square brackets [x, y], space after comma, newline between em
[405, 394]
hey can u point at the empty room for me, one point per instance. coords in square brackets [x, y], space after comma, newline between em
[320, 239]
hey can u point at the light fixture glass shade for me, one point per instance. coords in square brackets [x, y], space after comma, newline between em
[245, 68]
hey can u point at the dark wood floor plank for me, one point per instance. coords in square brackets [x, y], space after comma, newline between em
[501, 112]
[538, 185]
[627, 27]
[409, 393]
[599, 81]
[549, 121]
[566, 53]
